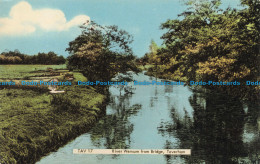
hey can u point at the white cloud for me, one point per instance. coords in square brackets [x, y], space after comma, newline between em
[23, 19]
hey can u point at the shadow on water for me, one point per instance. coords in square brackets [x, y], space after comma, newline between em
[217, 128]
[223, 130]
[113, 131]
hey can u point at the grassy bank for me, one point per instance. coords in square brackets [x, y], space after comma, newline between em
[38, 123]
[35, 122]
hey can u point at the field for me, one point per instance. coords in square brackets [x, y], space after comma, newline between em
[22, 71]
[35, 122]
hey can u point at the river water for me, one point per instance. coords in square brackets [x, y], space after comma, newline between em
[217, 128]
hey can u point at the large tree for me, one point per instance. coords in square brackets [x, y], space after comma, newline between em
[101, 52]
[209, 43]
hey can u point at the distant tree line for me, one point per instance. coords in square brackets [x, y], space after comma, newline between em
[16, 57]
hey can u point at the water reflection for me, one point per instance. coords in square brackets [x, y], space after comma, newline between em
[216, 134]
[113, 131]
[218, 128]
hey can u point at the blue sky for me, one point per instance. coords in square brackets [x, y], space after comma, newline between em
[41, 26]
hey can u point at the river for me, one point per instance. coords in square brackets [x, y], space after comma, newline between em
[217, 128]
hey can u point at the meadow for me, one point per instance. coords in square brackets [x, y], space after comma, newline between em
[34, 122]
[22, 71]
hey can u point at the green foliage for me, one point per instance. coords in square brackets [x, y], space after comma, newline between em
[15, 57]
[208, 43]
[100, 52]
[152, 55]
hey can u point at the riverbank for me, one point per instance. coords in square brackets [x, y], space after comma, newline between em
[34, 122]
[39, 123]
[176, 118]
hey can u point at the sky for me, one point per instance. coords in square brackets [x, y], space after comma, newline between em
[34, 26]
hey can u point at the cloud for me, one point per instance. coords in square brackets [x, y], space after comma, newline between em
[23, 19]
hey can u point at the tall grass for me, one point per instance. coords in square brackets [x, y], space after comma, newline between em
[34, 123]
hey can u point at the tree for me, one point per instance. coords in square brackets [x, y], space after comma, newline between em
[208, 41]
[152, 55]
[251, 17]
[185, 38]
[101, 52]
[15, 57]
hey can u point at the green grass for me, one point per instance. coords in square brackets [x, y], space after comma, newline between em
[34, 122]
[79, 76]
[21, 71]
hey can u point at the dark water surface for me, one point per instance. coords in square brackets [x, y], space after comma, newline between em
[217, 128]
